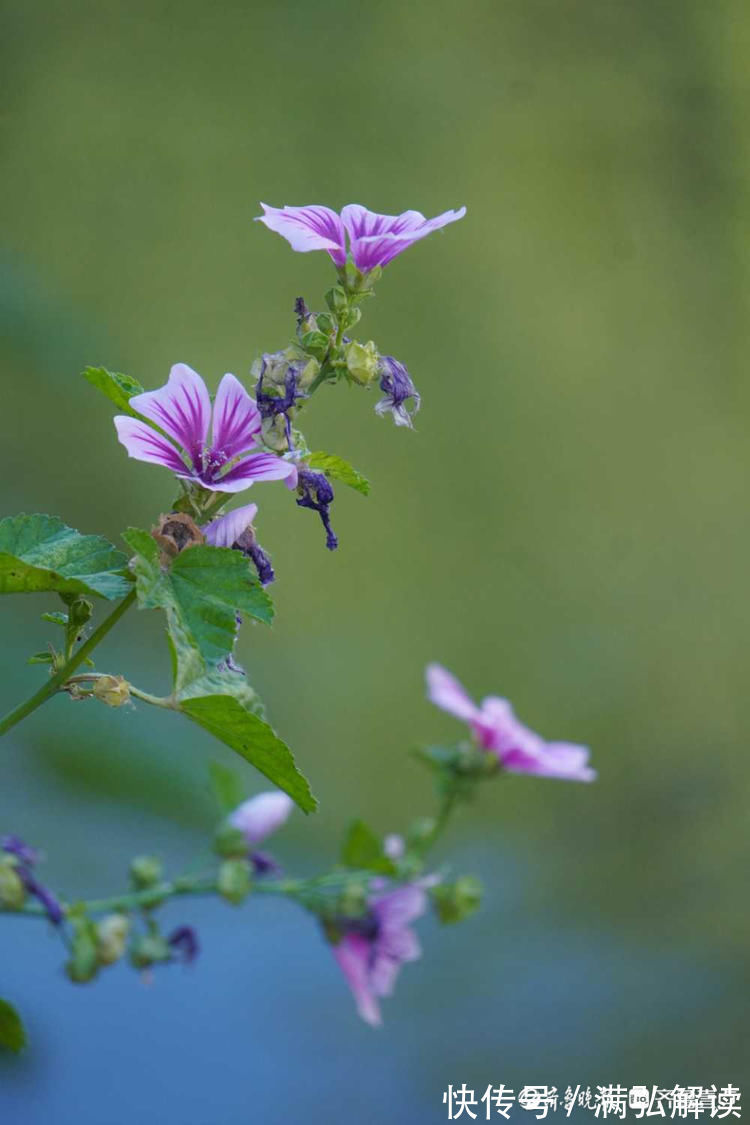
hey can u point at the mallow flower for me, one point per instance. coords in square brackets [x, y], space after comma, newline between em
[499, 732]
[374, 240]
[229, 461]
[370, 950]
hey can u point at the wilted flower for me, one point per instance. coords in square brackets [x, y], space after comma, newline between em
[498, 731]
[182, 409]
[316, 492]
[184, 942]
[396, 384]
[371, 950]
[374, 240]
[235, 530]
[261, 815]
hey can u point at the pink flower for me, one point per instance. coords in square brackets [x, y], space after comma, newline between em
[230, 461]
[498, 731]
[261, 815]
[373, 948]
[374, 240]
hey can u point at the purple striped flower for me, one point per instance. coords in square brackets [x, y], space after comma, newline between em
[498, 731]
[229, 461]
[374, 240]
[373, 948]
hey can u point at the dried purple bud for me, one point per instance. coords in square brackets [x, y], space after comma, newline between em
[264, 864]
[316, 492]
[271, 405]
[184, 942]
[396, 384]
[45, 897]
[301, 310]
[14, 845]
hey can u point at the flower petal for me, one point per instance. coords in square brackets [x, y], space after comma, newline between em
[308, 228]
[377, 239]
[181, 408]
[445, 691]
[224, 531]
[257, 466]
[353, 956]
[145, 444]
[261, 815]
[237, 420]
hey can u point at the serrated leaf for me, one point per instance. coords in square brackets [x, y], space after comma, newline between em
[118, 388]
[339, 469]
[364, 849]
[12, 1031]
[201, 592]
[225, 717]
[227, 787]
[40, 553]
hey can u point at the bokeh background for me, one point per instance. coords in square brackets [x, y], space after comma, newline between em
[567, 527]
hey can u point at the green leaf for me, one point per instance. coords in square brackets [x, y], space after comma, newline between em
[364, 849]
[227, 786]
[339, 469]
[12, 1031]
[118, 388]
[229, 719]
[41, 658]
[39, 553]
[202, 591]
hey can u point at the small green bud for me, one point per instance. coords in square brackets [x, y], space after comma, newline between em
[337, 300]
[84, 958]
[420, 832]
[229, 842]
[233, 882]
[145, 872]
[455, 901]
[353, 901]
[112, 690]
[362, 361]
[316, 343]
[12, 890]
[111, 937]
[149, 949]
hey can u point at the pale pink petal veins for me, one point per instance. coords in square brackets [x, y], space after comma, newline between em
[237, 421]
[145, 444]
[376, 239]
[257, 466]
[308, 228]
[182, 408]
[445, 691]
[353, 956]
[224, 531]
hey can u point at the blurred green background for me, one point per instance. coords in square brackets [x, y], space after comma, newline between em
[565, 528]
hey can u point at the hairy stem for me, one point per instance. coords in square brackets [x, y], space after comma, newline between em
[55, 682]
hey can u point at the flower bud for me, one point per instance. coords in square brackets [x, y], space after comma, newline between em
[233, 882]
[362, 361]
[353, 901]
[455, 901]
[112, 690]
[229, 842]
[111, 937]
[149, 949]
[261, 815]
[175, 532]
[84, 958]
[12, 890]
[145, 872]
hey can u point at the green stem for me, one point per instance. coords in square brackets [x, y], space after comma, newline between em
[165, 701]
[55, 682]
